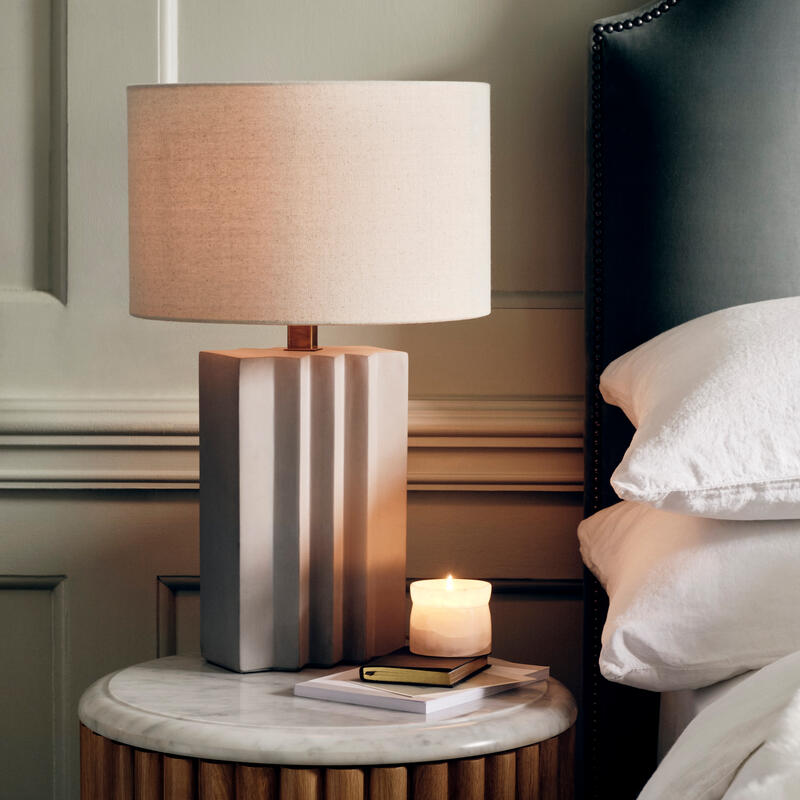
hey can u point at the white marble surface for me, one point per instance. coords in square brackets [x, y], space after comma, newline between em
[185, 706]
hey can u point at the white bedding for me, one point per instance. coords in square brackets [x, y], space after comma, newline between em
[679, 708]
[745, 745]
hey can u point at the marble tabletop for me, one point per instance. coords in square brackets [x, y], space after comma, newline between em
[186, 706]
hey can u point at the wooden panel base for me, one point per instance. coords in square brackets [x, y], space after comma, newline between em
[110, 770]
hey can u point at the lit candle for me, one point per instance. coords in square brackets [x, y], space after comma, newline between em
[450, 617]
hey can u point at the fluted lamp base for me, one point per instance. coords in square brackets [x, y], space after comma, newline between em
[303, 460]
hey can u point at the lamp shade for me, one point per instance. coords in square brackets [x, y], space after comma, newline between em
[309, 203]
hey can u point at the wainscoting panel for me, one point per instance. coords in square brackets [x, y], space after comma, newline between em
[494, 534]
[539, 623]
[494, 492]
[32, 715]
[178, 615]
[33, 151]
[59, 635]
[127, 554]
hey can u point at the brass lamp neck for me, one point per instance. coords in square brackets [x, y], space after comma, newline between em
[301, 337]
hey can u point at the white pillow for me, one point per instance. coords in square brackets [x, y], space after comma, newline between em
[716, 404]
[692, 600]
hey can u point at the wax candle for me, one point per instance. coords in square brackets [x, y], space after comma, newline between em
[450, 617]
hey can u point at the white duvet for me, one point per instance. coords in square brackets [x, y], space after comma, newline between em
[744, 746]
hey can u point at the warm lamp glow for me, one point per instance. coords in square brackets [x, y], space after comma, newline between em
[355, 202]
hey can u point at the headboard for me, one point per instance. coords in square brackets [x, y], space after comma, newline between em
[693, 205]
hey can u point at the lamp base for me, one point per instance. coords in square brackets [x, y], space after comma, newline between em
[303, 465]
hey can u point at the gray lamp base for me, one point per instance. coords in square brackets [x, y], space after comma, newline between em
[303, 461]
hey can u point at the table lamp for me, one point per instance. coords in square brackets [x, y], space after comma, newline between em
[335, 203]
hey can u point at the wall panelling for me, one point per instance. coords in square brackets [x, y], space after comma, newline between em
[98, 448]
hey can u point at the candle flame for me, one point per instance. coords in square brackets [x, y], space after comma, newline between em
[449, 583]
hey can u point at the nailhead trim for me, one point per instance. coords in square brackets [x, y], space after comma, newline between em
[599, 34]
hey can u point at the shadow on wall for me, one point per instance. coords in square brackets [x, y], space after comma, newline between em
[534, 54]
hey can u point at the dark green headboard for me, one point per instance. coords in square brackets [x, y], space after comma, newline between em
[693, 205]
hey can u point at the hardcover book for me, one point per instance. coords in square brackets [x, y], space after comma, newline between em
[403, 666]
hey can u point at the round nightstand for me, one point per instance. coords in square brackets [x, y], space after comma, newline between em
[179, 728]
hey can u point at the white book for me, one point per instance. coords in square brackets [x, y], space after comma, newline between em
[347, 687]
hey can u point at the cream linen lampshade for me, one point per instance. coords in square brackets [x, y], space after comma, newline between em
[309, 203]
[306, 204]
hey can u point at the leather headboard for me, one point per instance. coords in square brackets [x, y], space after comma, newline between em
[693, 205]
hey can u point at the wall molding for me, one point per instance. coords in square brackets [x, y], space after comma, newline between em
[479, 444]
[98, 415]
[556, 587]
[58, 200]
[542, 588]
[157, 416]
[167, 41]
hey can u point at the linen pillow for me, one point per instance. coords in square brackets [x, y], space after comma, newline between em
[716, 405]
[692, 600]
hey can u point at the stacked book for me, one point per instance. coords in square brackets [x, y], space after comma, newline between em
[402, 681]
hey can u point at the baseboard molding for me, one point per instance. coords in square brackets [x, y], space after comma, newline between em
[479, 444]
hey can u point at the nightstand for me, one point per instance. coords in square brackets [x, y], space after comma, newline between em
[179, 728]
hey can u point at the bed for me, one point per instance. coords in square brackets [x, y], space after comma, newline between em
[677, 709]
[693, 206]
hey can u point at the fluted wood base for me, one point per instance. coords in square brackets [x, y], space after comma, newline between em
[113, 771]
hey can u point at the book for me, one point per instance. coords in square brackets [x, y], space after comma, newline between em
[403, 666]
[347, 687]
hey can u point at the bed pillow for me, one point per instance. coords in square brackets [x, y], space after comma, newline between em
[692, 600]
[716, 406]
